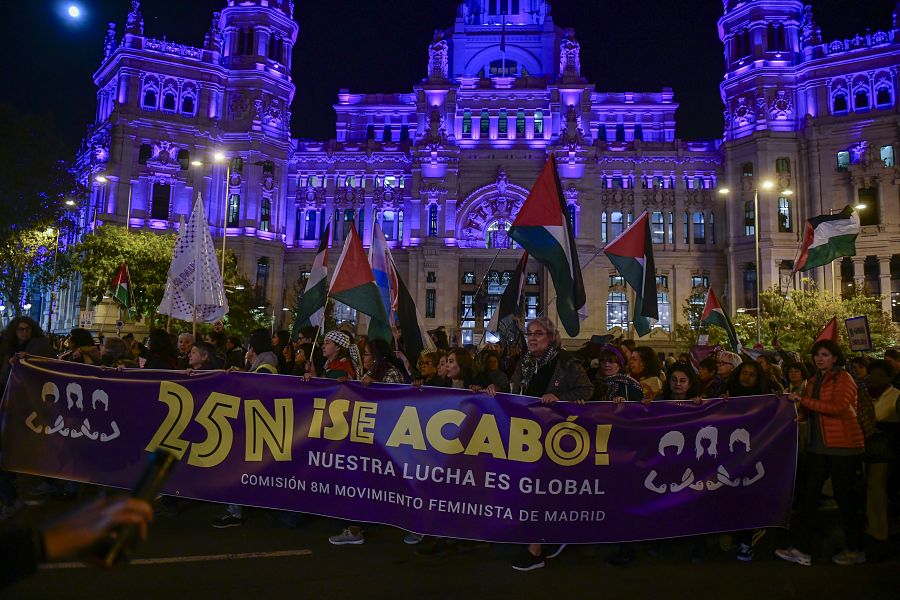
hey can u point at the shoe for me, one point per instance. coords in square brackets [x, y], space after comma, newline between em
[726, 542]
[554, 550]
[745, 553]
[351, 535]
[435, 547]
[621, 559]
[757, 535]
[849, 557]
[527, 561]
[413, 538]
[795, 556]
[7, 511]
[227, 520]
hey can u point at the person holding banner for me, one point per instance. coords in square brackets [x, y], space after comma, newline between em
[460, 369]
[645, 367]
[836, 446]
[612, 385]
[341, 356]
[552, 374]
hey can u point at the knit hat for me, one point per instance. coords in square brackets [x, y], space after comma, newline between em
[615, 353]
[730, 358]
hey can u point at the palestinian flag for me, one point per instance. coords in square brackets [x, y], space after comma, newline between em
[121, 287]
[508, 306]
[543, 228]
[415, 335]
[827, 237]
[714, 314]
[632, 255]
[354, 284]
[311, 308]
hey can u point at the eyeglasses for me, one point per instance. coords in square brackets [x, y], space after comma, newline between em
[535, 333]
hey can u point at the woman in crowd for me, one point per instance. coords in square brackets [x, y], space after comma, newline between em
[460, 369]
[796, 378]
[552, 374]
[836, 446]
[681, 383]
[612, 383]
[491, 375]
[281, 346]
[114, 353]
[82, 348]
[341, 356]
[644, 366]
[380, 365]
[428, 371]
[747, 379]
[161, 352]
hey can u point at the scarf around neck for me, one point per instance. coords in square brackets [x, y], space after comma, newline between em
[531, 365]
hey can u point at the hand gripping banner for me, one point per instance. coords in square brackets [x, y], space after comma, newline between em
[434, 461]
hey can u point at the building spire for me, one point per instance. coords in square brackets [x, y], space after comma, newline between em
[134, 23]
[109, 44]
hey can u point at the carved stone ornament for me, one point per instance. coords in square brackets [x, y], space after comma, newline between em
[238, 105]
[349, 197]
[109, 44]
[134, 22]
[387, 197]
[659, 198]
[438, 56]
[781, 106]
[310, 197]
[618, 199]
[572, 134]
[569, 56]
[743, 113]
[164, 157]
[436, 134]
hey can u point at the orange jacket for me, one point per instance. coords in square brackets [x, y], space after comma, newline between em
[837, 409]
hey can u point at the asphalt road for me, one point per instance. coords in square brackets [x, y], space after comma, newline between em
[186, 558]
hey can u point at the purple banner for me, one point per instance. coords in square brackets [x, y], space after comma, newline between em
[434, 461]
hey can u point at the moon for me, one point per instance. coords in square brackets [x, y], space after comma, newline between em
[74, 11]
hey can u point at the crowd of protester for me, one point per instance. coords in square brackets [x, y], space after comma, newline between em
[847, 408]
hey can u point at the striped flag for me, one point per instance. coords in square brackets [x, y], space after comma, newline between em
[508, 306]
[827, 237]
[714, 314]
[311, 310]
[543, 228]
[632, 255]
[121, 287]
[382, 269]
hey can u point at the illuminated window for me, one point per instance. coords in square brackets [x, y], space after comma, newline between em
[670, 229]
[468, 277]
[784, 215]
[532, 307]
[699, 228]
[663, 304]
[502, 122]
[749, 219]
[538, 123]
[432, 220]
[311, 225]
[467, 317]
[712, 228]
[603, 227]
[887, 156]
[747, 170]
[843, 160]
[616, 304]
[657, 227]
[265, 214]
[616, 224]
[467, 123]
[520, 124]
[234, 210]
[430, 303]
[343, 313]
[484, 127]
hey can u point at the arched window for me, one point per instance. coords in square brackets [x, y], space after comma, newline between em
[538, 123]
[502, 123]
[388, 224]
[839, 103]
[149, 100]
[883, 97]
[699, 228]
[485, 124]
[187, 106]
[159, 206]
[169, 101]
[785, 224]
[616, 224]
[265, 214]
[861, 100]
[501, 68]
[312, 231]
[184, 159]
[233, 219]
[467, 123]
[657, 227]
[432, 220]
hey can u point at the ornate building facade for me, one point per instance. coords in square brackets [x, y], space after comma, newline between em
[445, 167]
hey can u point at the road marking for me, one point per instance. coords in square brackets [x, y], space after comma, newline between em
[187, 559]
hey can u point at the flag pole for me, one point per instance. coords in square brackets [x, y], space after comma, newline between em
[580, 266]
[312, 348]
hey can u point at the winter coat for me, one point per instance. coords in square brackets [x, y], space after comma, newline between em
[836, 407]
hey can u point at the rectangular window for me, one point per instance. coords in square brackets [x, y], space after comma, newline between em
[162, 193]
[485, 124]
[662, 301]
[234, 210]
[387, 224]
[749, 219]
[432, 220]
[616, 225]
[750, 286]
[531, 279]
[617, 304]
[711, 228]
[538, 123]
[467, 313]
[784, 215]
[489, 307]
[887, 156]
[783, 166]
[502, 122]
[298, 225]
[532, 306]
[869, 213]
[670, 229]
[344, 314]
[265, 215]
[843, 161]
[657, 227]
[467, 123]
[430, 303]
[469, 278]
[431, 277]
[311, 229]
[699, 228]
[520, 124]
[262, 280]
[687, 226]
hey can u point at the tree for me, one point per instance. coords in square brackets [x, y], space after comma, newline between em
[807, 310]
[688, 330]
[34, 182]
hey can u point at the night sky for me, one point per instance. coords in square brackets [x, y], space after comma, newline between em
[381, 46]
